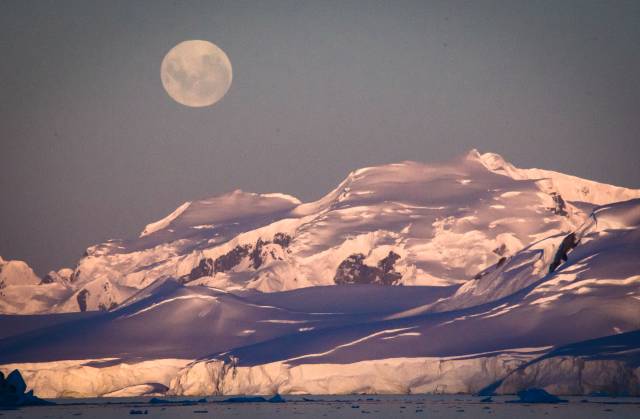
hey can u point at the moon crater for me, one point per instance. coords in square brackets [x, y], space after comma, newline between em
[196, 73]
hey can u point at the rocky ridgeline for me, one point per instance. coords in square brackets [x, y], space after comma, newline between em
[353, 270]
[226, 262]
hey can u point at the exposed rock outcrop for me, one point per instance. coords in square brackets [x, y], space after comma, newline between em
[353, 270]
[568, 243]
[256, 253]
[62, 276]
[281, 239]
[560, 207]
[82, 299]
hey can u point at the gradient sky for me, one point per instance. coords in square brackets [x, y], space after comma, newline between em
[92, 147]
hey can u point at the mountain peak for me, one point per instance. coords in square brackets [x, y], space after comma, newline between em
[492, 161]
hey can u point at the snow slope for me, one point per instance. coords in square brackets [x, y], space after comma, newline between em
[572, 188]
[403, 224]
[363, 338]
[22, 291]
[407, 277]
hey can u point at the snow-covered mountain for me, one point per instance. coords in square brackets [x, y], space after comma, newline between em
[23, 292]
[407, 277]
[402, 224]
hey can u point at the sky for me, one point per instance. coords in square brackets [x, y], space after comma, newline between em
[92, 147]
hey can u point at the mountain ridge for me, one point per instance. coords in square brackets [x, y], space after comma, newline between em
[407, 277]
[242, 225]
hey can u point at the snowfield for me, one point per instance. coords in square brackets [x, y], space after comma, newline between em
[469, 276]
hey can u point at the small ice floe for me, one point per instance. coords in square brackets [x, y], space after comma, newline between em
[255, 399]
[159, 401]
[305, 329]
[203, 226]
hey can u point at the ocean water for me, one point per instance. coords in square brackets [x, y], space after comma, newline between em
[401, 406]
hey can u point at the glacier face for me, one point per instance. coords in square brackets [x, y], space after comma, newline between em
[407, 277]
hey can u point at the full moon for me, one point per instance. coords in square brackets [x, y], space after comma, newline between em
[196, 73]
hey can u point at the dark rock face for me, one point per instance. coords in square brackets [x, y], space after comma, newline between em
[74, 276]
[223, 263]
[256, 254]
[501, 250]
[486, 271]
[353, 270]
[204, 268]
[231, 259]
[560, 206]
[82, 299]
[281, 239]
[501, 262]
[568, 244]
[387, 264]
[13, 392]
[48, 279]
[104, 307]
